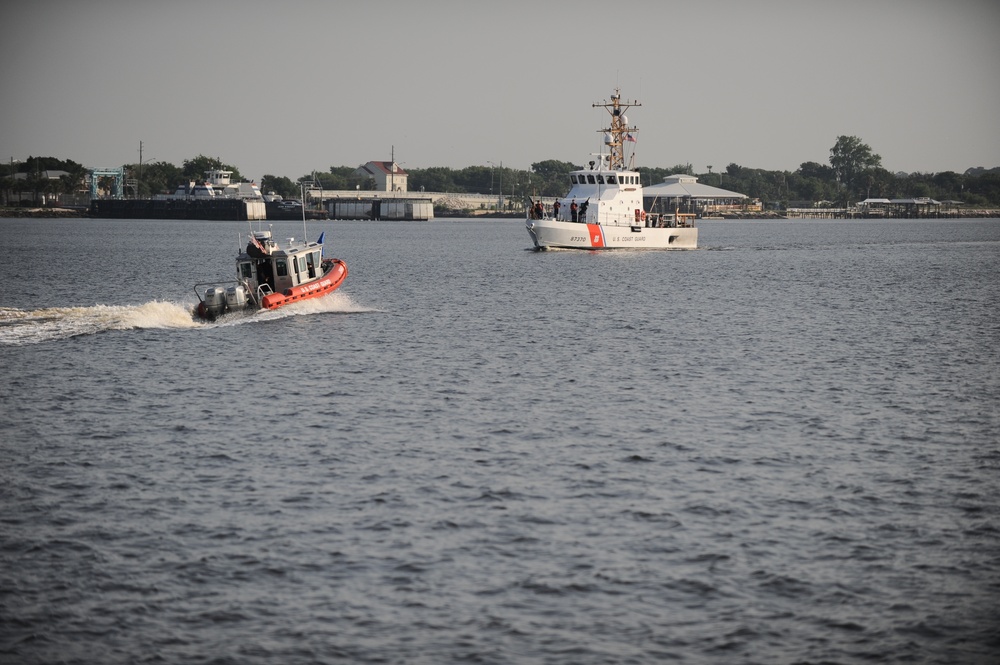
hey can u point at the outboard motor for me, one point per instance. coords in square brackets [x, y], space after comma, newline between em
[236, 297]
[215, 301]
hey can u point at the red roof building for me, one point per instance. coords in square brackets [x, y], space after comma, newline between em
[388, 176]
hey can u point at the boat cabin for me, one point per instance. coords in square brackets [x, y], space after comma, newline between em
[613, 178]
[267, 269]
[601, 195]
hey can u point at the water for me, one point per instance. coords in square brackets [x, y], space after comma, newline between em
[779, 449]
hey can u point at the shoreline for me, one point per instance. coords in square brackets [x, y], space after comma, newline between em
[69, 213]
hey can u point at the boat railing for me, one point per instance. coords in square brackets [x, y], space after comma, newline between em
[263, 289]
[199, 288]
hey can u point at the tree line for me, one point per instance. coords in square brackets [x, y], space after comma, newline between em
[853, 173]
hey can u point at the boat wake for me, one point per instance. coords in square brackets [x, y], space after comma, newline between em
[19, 327]
[336, 302]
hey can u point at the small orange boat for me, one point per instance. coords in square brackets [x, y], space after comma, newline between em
[269, 276]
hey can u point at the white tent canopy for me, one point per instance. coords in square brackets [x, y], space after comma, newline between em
[681, 185]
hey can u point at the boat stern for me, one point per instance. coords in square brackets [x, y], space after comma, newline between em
[218, 299]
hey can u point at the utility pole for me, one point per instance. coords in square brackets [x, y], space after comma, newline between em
[139, 181]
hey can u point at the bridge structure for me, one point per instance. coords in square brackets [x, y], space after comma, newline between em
[117, 188]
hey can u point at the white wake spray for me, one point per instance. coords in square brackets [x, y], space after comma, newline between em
[18, 327]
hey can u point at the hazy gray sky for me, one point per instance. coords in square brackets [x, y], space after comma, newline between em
[285, 88]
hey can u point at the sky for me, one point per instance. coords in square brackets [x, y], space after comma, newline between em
[286, 88]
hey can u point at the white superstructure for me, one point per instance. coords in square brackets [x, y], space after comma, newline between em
[217, 184]
[603, 208]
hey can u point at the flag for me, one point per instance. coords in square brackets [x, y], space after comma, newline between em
[321, 236]
[629, 137]
[256, 243]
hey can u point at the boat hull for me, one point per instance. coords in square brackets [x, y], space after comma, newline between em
[333, 277]
[552, 234]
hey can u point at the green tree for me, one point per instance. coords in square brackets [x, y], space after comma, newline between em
[853, 161]
[434, 179]
[473, 179]
[820, 172]
[195, 168]
[155, 178]
[550, 177]
[948, 185]
[880, 183]
[552, 168]
[280, 185]
[986, 186]
[654, 175]
[345, 177]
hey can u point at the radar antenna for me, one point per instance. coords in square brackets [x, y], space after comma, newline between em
[619, 132]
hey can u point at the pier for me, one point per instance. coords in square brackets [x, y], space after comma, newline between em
[193, 208]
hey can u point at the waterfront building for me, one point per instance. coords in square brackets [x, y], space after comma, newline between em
[682, 193]
[388, 176]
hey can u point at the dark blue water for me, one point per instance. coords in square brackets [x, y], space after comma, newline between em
[782, 448]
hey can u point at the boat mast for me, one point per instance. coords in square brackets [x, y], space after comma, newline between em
[302, 187]
[619, 131]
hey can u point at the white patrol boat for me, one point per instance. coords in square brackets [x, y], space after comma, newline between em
[271, 276]
[604, 208]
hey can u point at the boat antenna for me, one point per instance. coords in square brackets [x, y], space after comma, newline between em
[305, 237]
[619, 131]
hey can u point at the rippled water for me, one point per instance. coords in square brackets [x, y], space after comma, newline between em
[779, 449]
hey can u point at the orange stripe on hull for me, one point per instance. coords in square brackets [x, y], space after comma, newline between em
[324, 285]
[596, 235]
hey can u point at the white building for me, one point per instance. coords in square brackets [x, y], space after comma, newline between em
[683, 193]
[388, 176]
